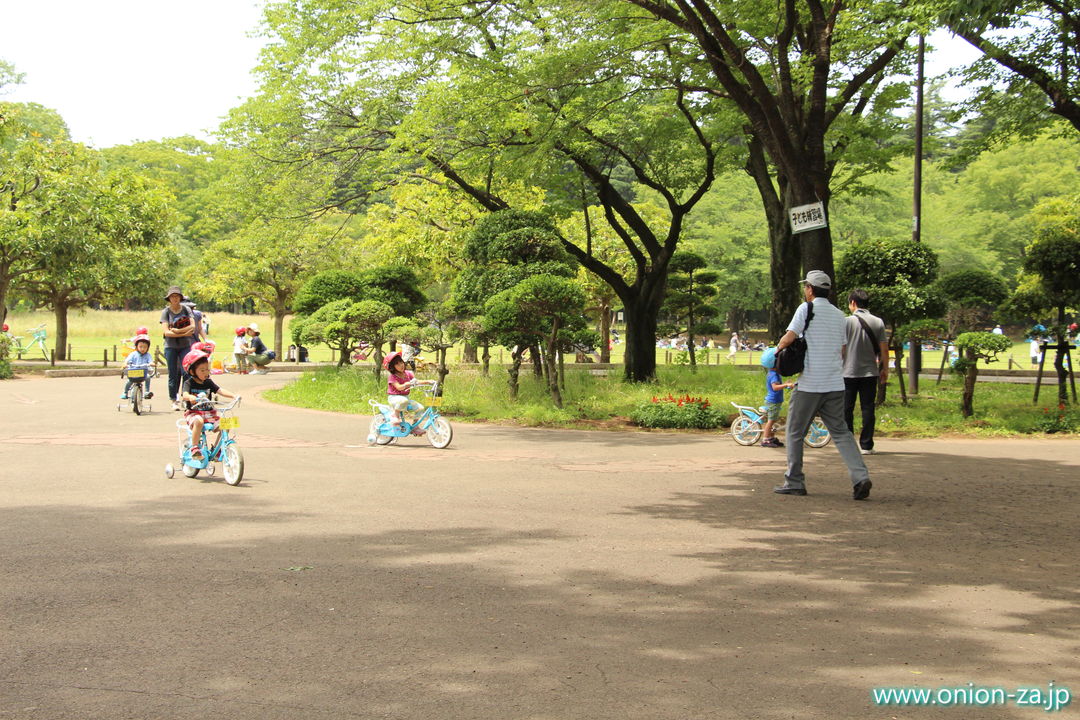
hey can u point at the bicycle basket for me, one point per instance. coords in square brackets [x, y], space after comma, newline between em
[435, 401]
[136, 374]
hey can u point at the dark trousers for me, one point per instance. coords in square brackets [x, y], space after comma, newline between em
[173, 357]
[865, 389]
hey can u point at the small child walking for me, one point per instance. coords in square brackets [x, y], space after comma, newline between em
[240, 350]
[774, 398]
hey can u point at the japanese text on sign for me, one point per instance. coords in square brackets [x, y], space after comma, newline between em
[807, 217]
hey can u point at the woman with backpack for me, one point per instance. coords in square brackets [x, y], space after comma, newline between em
[178, 328]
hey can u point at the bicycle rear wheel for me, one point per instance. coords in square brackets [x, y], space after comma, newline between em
[817, 435]
[745, 431]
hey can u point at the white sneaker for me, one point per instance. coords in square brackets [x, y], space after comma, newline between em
[866, 452]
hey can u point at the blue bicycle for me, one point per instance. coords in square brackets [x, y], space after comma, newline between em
[223, 450]
[748, 428]
[429, 422]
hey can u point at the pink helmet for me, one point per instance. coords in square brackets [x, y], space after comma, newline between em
[390, 357]
[241, 331]
[141, 337]
[193, 357]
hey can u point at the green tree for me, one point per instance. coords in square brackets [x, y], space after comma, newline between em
[267, 261]
[688, 307]
[539, 311]
[1054, 257]
[1031, 49]
[342, 324]
[519, 96]
[898, 275]
[975, 346]
[805, 76]
[971, 297]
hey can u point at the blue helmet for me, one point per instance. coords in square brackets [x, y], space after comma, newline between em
[768, 358]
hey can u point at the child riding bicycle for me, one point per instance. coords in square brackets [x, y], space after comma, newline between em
[139, 359]
[401, 381]
[196, 392]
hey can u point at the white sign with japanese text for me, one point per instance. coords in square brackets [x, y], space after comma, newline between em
[807, 217]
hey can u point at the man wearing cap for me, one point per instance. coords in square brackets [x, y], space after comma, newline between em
[178, 329]
[820, 388]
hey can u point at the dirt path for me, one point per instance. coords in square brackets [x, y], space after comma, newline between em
[517, 575]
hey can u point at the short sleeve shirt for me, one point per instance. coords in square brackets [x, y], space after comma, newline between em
[191, 386]
[168, 316]
[390, 387]
[823, 370]
[860, 360]
[773, 396]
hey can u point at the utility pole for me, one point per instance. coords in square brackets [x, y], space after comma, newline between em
[915, 359]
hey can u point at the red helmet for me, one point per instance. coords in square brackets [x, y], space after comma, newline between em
[193, 357]
[390, 357]
[207, 346]
[1072, 327]
[5, 327]
[241, 331]
[141, 337]
[142, 331]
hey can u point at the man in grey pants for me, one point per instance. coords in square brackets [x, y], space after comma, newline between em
[820, 389]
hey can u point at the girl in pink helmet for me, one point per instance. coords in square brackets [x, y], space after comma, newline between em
[401, 381]
[198, 386]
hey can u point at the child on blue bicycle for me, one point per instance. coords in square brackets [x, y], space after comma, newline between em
[139, 359]
[774, 398]
[197, 388]
[401, 381]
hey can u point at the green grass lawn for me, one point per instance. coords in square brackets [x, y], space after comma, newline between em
[597, 401]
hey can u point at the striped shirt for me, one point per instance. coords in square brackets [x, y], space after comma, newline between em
[823, 370]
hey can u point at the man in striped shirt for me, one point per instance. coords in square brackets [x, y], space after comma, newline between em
[820, 389]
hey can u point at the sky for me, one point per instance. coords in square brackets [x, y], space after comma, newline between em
[120, 71]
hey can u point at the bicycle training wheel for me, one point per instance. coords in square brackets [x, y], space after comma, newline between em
[189, 471]
[373, 431]
[233, 465]
[136, 398]
[745, 431]
[817, 435]
[439, 433]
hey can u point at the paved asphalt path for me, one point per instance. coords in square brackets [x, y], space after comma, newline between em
[520, 574]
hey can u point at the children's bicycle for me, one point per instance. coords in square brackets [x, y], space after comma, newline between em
[748, 428]
[429, 422]
[223, 450]
[136, 398]
[39, 334]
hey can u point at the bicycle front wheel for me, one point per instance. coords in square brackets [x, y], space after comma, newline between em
[136, 398]
[745, 431]
[439, 433]
[233, 464]
[817, 435]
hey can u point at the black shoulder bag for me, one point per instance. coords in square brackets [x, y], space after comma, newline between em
[873, 340]
[790, 360]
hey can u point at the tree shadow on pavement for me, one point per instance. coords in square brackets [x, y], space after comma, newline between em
[206, 607]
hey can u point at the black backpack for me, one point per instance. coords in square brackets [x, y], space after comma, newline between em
[790, 360]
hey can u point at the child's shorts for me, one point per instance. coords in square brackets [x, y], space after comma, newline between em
[403, 403]
[772, 411]
[209, 417]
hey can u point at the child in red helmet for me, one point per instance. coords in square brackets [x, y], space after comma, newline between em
[198, 386]
[140, 358]
[241, 350]
[401, 381]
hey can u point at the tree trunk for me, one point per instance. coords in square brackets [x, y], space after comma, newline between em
[1059, 360]
[5, 285]
[441, 370]
[60, 310]
[486, 357]
[898, 354]
[640, 355]
[784, 253]
[549, 363]
[967, 404]
[468, 354]
[279, 328]
[536, 355]
[605, 331]
[512, 371]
